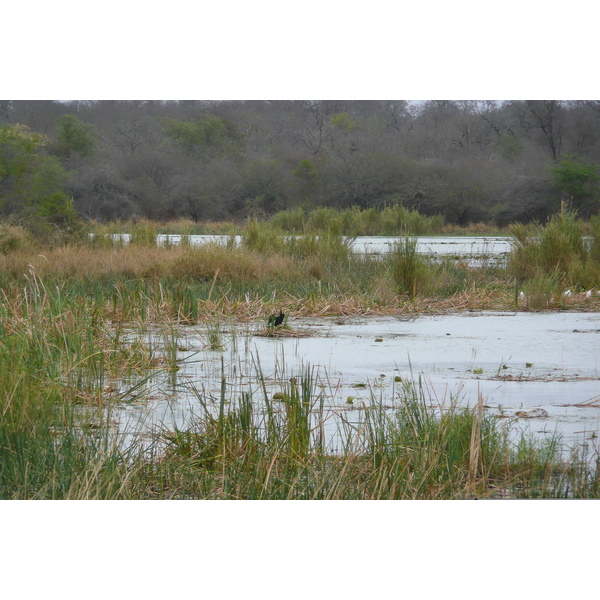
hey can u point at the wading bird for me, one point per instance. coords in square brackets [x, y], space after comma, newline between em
[276, 320]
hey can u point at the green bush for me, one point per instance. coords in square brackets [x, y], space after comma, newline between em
[262, 237]
[14, 238]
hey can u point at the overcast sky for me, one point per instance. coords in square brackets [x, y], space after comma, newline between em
[314, 49]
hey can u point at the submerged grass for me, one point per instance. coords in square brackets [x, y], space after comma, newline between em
[417, 451]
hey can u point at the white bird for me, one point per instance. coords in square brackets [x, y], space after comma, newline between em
[522, 295]
[588, 294]
[567, 294]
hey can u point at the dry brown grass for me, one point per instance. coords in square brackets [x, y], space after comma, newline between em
[142, 261]
[218, 264]
[181, 226]
[356, 305]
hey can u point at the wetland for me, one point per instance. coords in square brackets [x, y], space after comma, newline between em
[404, 368]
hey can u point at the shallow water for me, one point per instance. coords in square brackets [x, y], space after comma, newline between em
[466, 247]
[440, 246]
[517, 362]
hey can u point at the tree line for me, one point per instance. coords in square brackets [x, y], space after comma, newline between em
[468, 161]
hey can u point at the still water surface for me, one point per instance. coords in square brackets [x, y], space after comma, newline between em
[517, 362]
[471, 247]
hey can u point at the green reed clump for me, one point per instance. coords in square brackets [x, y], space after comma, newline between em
[262, 237]
[538, 470]
[418, 452]
[399, 220]
[266, 240]
[541, 290]
[302, 403]
[327, 247]
[144, 233]
[292, 220]
[185, 299]
[557, 250]
[394, 219]
[326, 219]
[409, 269]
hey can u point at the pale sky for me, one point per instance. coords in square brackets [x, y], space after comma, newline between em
[314, 49]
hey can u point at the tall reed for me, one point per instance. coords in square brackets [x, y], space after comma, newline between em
[409, 269]
[557, 250]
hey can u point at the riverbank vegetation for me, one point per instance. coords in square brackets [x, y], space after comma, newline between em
[316, 272]
[75, 320]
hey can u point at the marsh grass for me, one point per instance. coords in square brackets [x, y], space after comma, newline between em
[191, 285]
[558, 251]
[78, 333]
[409, 269]
[420, 450]
[175, 227]
[13, 238]
[58, 358]
[394, 219]
[55, 359]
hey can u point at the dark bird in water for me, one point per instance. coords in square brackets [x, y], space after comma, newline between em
[279, 319]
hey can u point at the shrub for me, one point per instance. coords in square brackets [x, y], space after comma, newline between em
[13, 238]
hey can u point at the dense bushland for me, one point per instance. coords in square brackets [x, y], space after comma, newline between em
[465, 162]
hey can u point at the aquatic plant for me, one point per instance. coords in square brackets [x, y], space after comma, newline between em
[215, 336]
[409, 269]
[144, 233]
[557, 250]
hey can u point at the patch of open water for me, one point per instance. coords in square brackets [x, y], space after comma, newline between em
[471, 248]
[522, 364]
